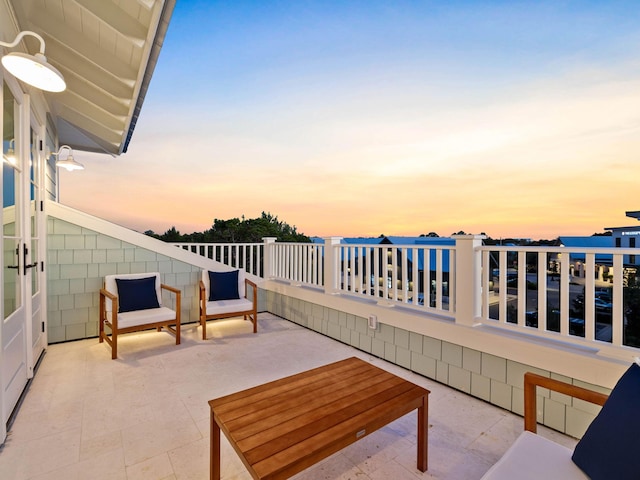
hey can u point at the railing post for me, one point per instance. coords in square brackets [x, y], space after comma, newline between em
[267, 259]
[468, 278]
[331, 270]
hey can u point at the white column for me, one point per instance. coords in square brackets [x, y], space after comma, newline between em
[331, 259]
[268, 257]
[468, 278]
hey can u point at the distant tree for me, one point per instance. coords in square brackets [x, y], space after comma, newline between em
[430, 235]
[171, 235]
[602, 234]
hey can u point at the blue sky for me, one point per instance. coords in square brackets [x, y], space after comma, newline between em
[367, 117]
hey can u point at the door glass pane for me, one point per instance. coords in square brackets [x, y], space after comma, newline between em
[34, 270]
[10, 184]
[11, 287]
[33, 206]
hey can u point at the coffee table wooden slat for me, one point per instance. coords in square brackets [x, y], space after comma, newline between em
[250, 422]
[286, 440]
[250, 396]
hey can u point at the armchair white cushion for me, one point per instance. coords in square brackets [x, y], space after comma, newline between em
[533, 457]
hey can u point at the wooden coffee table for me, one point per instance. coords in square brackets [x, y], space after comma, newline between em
[280, 428]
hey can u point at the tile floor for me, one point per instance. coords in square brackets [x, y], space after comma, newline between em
[145, 415]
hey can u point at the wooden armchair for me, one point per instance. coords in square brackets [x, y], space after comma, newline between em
[226, 295]
[133, 302]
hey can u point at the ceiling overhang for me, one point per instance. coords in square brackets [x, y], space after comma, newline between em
[107, 51]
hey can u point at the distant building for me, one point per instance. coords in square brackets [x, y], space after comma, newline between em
[603, 262]
[627, 237]
[621, 237]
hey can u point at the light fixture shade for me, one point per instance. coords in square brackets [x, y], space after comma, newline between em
[34, 70]
[70, 164]
[10, 157]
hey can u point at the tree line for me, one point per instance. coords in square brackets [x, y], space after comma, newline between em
[237, 230]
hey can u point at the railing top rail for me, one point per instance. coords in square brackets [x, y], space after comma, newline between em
[300, 243]
[408, 245]
[559, 249]
[218, 243]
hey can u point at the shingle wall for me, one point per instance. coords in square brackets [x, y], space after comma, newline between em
[78, 260]
[496, 380]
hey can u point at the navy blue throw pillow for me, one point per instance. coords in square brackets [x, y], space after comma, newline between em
[223, 286]
[137, 294]
[609, 448]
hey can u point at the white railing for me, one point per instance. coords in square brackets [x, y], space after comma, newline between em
[576, 295]
[248, 256]
[422, 277]
[300, 263]
[568, 294]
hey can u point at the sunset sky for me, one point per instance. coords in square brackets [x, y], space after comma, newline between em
[360, 118]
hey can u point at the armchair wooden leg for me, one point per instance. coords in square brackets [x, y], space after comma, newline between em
[114, 345]
[203, 322]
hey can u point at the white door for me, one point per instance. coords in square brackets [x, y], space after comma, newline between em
[35, 264]
[15, 338]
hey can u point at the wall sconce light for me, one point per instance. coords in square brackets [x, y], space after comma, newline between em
[69, 163]
[33, 69]
[10, 157]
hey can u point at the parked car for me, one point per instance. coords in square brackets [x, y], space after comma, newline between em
[602, 305]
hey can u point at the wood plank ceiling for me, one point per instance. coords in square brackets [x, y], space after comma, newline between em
[106, 50]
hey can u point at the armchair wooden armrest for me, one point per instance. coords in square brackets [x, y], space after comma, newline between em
[254, 289]
[171, 289]
[104, 294]
[533, 380]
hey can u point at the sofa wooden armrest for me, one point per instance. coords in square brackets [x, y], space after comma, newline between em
[533, 456]
[246, 305]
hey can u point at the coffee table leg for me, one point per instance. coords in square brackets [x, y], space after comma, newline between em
[215, 450]
[423, 433]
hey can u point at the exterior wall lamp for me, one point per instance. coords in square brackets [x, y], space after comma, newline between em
[69, 163]
[33, 69]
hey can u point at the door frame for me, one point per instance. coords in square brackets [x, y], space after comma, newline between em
[22, 317]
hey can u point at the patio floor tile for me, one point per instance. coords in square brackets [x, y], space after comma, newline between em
[145, 415]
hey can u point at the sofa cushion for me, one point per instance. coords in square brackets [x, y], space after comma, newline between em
[533, 457]
[137, 294]
[223, 286]
[609, 448]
